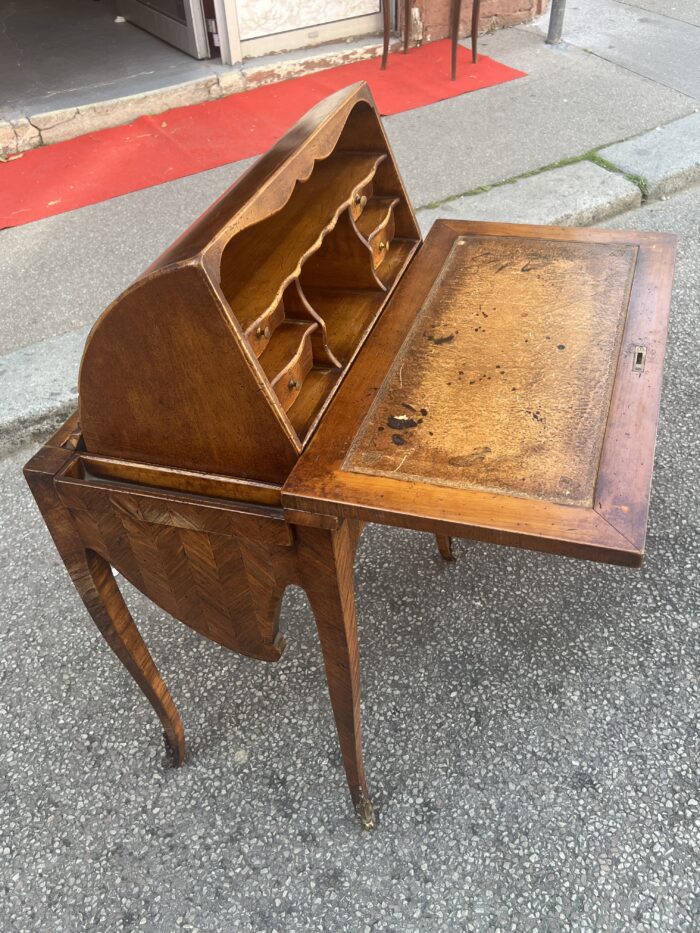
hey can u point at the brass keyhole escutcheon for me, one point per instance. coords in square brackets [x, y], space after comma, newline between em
[294, 384]
[383, 246]
[639, 359]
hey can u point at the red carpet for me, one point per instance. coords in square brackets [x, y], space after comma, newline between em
[152, 150]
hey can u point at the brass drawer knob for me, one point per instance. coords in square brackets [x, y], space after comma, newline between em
[262, 332]
[294, 384]
[361, 199]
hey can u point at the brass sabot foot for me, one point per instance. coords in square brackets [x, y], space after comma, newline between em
[365, 811]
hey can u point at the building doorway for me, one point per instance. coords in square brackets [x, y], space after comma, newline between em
[240, 29]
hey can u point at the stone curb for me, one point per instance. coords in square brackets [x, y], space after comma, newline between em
[28, 131]
[666, 159]
[574, 195]
[38, 388]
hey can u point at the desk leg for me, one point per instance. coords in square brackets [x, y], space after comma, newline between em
[455, 12]
[326, 571]
[444, 543]
[386, 27]
[454, 34]
[92, 577]
[476, 5]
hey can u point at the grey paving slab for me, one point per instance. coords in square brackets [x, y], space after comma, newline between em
[687, 11]
[667, 158]
[574, 195]
[569, 102]
[62, 55]
[61, 273]
[530, 723]
[661, 48]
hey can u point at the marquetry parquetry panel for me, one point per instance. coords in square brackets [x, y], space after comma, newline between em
[209, 567]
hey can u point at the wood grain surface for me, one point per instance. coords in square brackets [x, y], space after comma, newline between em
[220, 567]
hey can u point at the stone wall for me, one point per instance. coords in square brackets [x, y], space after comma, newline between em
[431, 18]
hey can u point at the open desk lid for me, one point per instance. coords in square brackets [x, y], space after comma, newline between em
[509, 392]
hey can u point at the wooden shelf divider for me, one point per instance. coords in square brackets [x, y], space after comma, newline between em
[309, 297]
[253, 282]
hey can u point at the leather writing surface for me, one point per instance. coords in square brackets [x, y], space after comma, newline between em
[504, 382]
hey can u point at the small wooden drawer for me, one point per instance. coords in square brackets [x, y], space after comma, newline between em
[288, 385]
[360, 199]
[260, 333]
[288, 358]
[375, 215]
[381, 240]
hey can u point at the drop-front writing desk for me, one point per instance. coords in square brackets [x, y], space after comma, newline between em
[299, 363]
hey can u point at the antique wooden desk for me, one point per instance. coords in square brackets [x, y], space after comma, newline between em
[298, 363]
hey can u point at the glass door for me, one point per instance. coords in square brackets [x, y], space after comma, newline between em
[179, 22]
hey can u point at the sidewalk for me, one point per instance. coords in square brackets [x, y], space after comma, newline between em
[548, 148]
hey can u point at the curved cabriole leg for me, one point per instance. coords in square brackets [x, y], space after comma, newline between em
[325, 567]
[92, 577]
[106, 605]
[476, 5]
[445, 547]
[386, 25]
